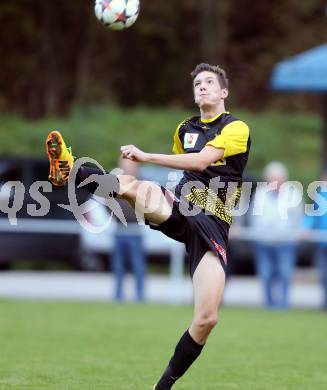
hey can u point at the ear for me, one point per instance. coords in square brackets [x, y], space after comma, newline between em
[224, 93]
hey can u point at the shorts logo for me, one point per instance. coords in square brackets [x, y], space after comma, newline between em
[220, 250]
[190, 140]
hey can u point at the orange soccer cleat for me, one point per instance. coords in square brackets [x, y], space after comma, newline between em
[60, 157]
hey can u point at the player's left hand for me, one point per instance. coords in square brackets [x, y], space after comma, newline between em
[133, 153]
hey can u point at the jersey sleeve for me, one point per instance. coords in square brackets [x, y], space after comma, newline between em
[177, 145]
[233, 138]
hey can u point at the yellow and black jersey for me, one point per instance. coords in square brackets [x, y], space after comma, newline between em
[224, 131]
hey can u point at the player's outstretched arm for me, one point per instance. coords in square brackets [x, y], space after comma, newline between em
[191, 161]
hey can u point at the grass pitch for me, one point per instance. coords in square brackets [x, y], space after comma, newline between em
[57, 346]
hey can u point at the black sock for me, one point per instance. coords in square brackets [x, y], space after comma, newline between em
[106, 183]
[186, 351]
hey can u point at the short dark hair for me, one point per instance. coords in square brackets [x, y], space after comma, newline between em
[221, 74]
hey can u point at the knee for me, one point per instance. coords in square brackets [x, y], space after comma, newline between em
[127, 179]
[206, 321]
[128, 184]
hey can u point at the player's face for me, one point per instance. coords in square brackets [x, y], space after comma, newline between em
[207, 90]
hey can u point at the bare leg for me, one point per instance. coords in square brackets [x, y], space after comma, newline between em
[145, 197]
[208, 284]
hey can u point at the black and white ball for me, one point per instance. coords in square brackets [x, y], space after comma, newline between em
[117, 14]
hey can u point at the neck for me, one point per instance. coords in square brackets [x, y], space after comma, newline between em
[208, 112]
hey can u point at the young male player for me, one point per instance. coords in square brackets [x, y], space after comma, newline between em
[212, 149]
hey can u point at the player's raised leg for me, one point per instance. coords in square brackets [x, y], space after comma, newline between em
[208, 283]
[146, 197]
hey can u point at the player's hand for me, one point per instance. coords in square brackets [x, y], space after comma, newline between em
[133, 153]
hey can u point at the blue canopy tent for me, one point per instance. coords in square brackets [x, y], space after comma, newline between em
[305, 72]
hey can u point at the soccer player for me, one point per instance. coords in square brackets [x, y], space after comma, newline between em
[212, 149]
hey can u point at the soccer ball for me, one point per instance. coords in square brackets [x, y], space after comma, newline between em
[117, 14]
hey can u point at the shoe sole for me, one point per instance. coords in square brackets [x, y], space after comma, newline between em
[54, 148]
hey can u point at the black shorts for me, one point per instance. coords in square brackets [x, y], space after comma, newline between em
[200, 233]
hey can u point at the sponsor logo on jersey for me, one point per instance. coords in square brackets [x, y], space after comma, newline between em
[190, 140]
